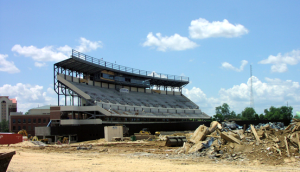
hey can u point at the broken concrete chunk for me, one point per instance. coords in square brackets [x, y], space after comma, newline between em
[255, 133]
[199, 134]
[196, 147]
[230, 138]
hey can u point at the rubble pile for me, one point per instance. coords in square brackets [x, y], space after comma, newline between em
[266, 143]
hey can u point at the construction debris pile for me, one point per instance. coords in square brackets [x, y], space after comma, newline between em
[264, 142]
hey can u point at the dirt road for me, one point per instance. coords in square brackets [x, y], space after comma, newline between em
[127, 157]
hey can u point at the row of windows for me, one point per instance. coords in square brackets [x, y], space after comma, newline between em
[29, 120]
[24, 127]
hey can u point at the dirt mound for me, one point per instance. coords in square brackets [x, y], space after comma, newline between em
[23, 144]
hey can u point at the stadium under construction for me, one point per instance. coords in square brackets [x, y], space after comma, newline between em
[96, 93]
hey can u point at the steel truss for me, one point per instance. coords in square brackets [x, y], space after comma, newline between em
[63, 90]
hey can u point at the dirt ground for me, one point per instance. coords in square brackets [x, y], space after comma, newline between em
[129, 156]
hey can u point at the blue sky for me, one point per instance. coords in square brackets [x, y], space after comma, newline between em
[213, 43]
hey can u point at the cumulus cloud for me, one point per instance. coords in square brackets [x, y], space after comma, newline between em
[272, 92]
[201, 29]
[7, 66]
[280, 61]
[29, 96]
[87, 45]
[38, 64]
[50, 53]
[175, 42]
[227, 65]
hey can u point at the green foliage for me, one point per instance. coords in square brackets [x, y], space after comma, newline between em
[256, 117]
[261, 117]
[283, 112]
[273, 113]
[218, 117]
[248, 114]
[4, 126]
[223, 113]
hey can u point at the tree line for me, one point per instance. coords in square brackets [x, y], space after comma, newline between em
[282, 113]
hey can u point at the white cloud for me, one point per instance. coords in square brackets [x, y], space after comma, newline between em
[227, 65]
[45, 54]
[175, 42]
[29, 96]
[38, 64]
[87, 45]
[7, 66]
[50, 53]
[280, 61]
[272, 92]
[201, 29]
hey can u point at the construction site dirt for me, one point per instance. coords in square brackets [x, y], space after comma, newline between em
[258, 149]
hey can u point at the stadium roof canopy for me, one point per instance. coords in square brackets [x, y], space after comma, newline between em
[89, 65]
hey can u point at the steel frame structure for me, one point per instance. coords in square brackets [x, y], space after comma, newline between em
[80, 64]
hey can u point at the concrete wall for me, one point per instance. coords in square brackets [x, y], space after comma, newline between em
[163, 92]
[98, 84]
[141, 90]
[171, 110]
[180, 111]
[161, 110]
[134, 89]
[115, 107]
[42, 131]
[68, 77]
[122, 108]
[189, 111]
[78, 122]
[146, 109]
[170, 92]
[177, 93]
[148, 91]
[198, 111]
[113, 131]
[154, 110]
[90, 82]
[129, 108]
[112, 86]
[75, 79]
[104, 85]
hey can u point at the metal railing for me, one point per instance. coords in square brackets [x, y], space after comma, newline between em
[127, 69]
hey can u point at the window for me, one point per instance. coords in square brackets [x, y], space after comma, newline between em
[29, 120]
[19, 127]
[44, 120]
[29, 128]
[19, 121]
[14, 121]
[39, 120]
[24, 121]
[14, 127]
[34, 121]
[24, 127]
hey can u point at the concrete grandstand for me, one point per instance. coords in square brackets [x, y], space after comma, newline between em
[95, 93]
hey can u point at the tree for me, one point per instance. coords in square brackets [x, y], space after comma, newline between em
[218, 117]
[284, 112]
[233, 115]
[248, 114]
[256, 117]
[261, 117]
[224, 110]
[4, 126]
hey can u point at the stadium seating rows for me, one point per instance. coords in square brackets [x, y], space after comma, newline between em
[135, 98]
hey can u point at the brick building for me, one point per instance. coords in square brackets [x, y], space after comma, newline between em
[36, 117]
